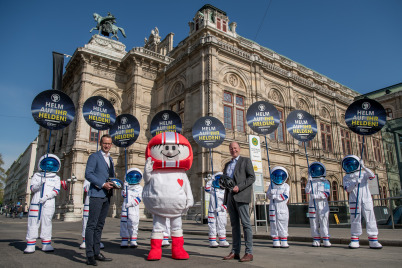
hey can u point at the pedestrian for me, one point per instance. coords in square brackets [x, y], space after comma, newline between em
[45, 186]
[355, 183]
[237, 200]
[99, 169]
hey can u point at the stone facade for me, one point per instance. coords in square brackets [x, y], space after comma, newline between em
[214, 71]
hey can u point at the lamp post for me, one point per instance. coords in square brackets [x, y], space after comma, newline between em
[70, 216]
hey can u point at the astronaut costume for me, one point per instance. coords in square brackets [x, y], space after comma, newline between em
[358, 187]
[130, 211]
[278, 194]
[45, 186]
[167, 191]
[318, 207]
[85, 214]
[217, 219]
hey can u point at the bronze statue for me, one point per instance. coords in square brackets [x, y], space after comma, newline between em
[106, 26]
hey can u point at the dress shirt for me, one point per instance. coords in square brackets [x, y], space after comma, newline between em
[232, 166]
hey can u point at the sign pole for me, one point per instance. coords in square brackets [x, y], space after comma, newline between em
[308, 172]
[358, 185]
[44, 175]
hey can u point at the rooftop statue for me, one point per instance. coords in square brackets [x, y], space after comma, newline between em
[106, 26]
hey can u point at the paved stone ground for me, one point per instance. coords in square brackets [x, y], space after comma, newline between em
[66, 239]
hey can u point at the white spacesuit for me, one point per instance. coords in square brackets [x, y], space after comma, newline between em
[358, 188]
[278, 194]
[130, 218]
[45, 186]
[167, 191]
[85, 214]
[318, 208]
[217, 219]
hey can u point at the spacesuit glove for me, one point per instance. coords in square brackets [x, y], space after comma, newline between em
[43, 199]
[310, 178]
[361, 163]
[149, 165]
[123, 193]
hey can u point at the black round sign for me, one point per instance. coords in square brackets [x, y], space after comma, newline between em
[165, 121]
[53, 109]
[125, 130]
[99, 113]
[262, 117]
[301, 125]
[365, 117]
[209, 132]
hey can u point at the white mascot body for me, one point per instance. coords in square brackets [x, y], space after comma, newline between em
[167, 191]
[45, 186]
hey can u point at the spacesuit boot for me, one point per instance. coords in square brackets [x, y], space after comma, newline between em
[316, 242]
[47, 246]
[101, 245]
[354, 243]
[30, 247]
[83, 245]
[165, 242]
[373, 242]
[276, 243]
[133, 242]
[325, 242]
[124, 242]
[212, 242]
[284, 242]
[223, 243]
[155, 254]
[178, 252]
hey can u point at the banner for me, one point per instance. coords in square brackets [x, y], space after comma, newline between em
[125, 130]
[301, 125]
[58, 66]
[165, 121]
[262, 117]
[209, 132]
[365, 117]
[255, 152]
[99, 113]
[53, 109]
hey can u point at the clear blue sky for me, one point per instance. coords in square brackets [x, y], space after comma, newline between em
[357, 43]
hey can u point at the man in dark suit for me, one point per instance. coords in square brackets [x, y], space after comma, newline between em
[98, 170]
[237, 200]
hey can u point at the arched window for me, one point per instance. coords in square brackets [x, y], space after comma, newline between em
[334, 195]
[303, 183]
[388, 112]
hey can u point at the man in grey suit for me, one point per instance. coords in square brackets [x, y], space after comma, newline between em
[98, 170]
[240, 169]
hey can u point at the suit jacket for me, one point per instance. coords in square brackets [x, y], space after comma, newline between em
[244, 177]
[97, 173]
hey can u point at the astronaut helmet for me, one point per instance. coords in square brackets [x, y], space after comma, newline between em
[350, 163]
[279, 175]
[133, 176]
[317, 170]
[49, 163]
[216, 179]
[170, 150]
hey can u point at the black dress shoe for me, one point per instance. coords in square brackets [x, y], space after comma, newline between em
[91, 261]
[100, 257]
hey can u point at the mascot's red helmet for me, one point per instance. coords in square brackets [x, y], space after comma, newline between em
[170, 150]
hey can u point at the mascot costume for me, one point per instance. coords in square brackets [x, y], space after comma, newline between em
[167, 191]
[360, 200]
[45, 186]
[278, 194]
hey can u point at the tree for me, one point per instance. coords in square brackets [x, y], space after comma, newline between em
[3, 176]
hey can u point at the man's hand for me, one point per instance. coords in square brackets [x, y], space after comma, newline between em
[235, 189]
[108, 185]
